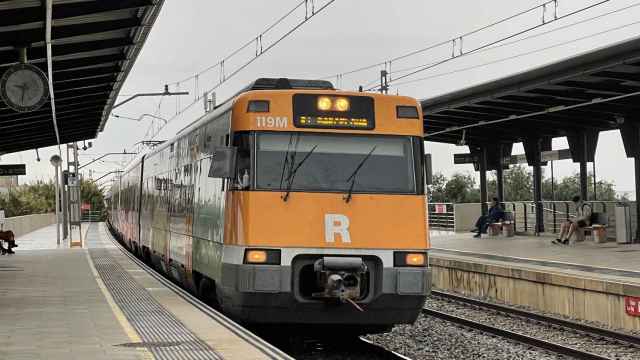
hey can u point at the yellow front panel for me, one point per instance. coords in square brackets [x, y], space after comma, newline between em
[375, 221]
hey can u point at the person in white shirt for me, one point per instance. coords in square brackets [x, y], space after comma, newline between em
[581, 220]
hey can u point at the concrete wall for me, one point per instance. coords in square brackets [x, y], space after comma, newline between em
[593, 299]
[466, 216]
[21, 225]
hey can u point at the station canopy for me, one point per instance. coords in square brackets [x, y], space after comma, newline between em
[585, 80]
[94, 46]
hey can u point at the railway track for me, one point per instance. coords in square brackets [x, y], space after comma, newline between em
[619, 344]
[354, 349]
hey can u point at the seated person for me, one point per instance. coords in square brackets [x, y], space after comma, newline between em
[11, 242]
[496, 213]
[581, 220]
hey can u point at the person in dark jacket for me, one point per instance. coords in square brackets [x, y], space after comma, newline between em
[496, 213]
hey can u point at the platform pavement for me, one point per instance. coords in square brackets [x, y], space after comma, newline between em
[538, 251]
[54, 305]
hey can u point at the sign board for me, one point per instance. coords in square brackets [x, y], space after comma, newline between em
[632, 305]
[464, 159]
[441, 208]
[13, 169]
[554, 155]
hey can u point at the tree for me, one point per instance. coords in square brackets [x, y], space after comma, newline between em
[518, 184]
[461, 188]
[437, 188]
[39, 198]
[568, 187]
[90, 194]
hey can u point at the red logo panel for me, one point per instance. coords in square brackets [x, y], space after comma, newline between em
[632, 305]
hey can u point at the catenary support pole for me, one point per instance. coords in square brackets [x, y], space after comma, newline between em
[57, 181]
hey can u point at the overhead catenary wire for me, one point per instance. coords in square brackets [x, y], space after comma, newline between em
[519, 55]
[369, 84]
[491, 43]
[311, 10]
[457, 44]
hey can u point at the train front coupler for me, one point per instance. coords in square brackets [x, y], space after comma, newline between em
[339, 278]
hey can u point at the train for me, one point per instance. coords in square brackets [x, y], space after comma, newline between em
[291, 203]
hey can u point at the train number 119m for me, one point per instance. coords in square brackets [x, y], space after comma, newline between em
[272, 122]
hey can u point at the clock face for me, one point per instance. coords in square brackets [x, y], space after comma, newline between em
[24, 88]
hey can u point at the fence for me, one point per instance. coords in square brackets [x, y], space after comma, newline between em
[461, 217]
[441, 216]
[557, 212]
[92, 216]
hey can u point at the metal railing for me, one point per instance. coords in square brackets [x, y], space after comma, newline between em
[441, 216]
[92, 216]
[557, 212]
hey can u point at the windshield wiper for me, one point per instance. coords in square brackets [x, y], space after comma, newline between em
[286, 159]
[347, 197]
[292, 173]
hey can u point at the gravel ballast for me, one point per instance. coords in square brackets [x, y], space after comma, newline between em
[432, 338]
[583, 341]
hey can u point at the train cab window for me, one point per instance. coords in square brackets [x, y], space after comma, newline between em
[336, 163]
[242, 141]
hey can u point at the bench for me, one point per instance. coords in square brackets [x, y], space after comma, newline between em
[505, 226]
[597, 230]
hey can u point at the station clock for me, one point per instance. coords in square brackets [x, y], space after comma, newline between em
[24, 88]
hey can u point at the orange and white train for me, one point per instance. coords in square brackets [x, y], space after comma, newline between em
[292, 203]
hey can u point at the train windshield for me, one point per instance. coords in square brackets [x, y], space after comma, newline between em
[336, 163]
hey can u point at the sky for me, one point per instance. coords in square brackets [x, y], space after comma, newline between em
[192, 35]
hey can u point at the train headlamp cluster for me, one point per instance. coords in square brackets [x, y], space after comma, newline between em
[409, 259]
[262, 256]
[330, 103]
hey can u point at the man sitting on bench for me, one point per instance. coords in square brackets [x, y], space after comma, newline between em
[495, 214]
[9, 238]
[581, 220]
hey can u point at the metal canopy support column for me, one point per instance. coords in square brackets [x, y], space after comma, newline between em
[537, 193]
[584, 180]
[630, 132]
[500, 175]
[483, 179]
[533, 149]
[583, 149]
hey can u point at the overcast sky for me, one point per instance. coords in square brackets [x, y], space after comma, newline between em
[191, 35]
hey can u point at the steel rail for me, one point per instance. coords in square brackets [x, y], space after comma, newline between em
[594, 330]
[380, 350]
[521, 338]
[267, 349]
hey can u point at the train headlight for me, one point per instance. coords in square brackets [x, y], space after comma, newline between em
[342, 104]
[324, 103]
[262, 256]
[409, 259]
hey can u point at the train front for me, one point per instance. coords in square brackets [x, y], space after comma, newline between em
[327, 221]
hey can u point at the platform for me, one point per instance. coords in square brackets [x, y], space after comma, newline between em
[97, 303]
[585, 281]
[610, 259]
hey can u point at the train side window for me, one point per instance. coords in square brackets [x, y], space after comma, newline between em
[242, 142]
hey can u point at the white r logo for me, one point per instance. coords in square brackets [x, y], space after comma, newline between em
[336, 224]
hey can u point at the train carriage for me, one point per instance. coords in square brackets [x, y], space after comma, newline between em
[291, 203]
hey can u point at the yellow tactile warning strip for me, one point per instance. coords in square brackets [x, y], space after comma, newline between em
[122, 320]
